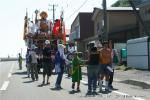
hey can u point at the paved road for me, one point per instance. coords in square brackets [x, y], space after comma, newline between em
[14, 85]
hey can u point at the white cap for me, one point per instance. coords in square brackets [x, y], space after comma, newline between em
[47, 42]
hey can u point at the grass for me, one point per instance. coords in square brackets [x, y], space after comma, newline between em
[123, 68]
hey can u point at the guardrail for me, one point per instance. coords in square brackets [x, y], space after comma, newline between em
[9, 59]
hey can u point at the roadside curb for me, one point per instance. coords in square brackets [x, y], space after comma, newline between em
[131, 81]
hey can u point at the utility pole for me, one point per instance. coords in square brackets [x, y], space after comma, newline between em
[53, 11]
[105, 33]
[139, 17]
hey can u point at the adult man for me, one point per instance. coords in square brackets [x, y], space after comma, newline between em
[59, 65]
[105, 61]
[28, 62]
[47, 62]
[34, 72]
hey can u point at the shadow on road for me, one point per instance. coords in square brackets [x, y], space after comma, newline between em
[28, 81]
[137, 83]
[20, 73]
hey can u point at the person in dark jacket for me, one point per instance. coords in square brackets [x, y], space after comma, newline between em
[47, 62]
[92, 70]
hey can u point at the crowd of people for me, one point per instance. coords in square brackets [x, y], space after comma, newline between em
[99, 64]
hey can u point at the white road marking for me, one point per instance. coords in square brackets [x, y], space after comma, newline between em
[120, 93]
[126, 95]
[4, 86]
[9, 75]
[11, 70]
[12, 67]
[137, 98]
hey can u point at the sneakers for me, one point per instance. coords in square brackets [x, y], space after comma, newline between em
[78, 89]
[58, 87]
[89, 92]
[94, 93]
[111, 87]
[47, 83]
[72, 92]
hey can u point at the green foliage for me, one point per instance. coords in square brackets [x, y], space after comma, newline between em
[116, 4]
[123, 68]
[125, 3]
[121, 3]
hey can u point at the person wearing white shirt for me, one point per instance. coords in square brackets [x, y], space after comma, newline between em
[34, 72]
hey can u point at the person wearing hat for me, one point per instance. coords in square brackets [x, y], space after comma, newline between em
[34, 72]
[47, 62]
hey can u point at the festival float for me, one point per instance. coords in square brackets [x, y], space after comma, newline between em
[38, 31]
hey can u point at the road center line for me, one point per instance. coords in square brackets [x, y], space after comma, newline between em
[4, 86]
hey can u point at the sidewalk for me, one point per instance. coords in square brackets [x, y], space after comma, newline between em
[133, 77]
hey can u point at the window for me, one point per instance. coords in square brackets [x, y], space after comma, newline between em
[98, 27]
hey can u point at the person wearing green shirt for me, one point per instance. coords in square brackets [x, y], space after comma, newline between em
[76, 71]
[20, 61]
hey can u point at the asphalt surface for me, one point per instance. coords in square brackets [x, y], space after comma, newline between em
[14, 85]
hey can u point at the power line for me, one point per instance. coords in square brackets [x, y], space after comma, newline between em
[77, 9]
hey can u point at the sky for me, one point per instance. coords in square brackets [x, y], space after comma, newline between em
[13, 12]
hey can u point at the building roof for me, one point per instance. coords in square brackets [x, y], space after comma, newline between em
[111, 9]
[119, 8]
[79, 14]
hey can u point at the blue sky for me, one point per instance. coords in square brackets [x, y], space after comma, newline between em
[12, 19]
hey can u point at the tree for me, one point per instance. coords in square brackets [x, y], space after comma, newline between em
[125, 3]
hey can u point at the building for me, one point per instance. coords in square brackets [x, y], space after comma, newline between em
[81, 28]
[122, 24]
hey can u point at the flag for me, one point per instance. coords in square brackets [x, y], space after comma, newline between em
[64, 33]
[56, 28]
[63, 30]
[25, 25]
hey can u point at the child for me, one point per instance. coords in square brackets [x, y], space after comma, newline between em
[76, 72]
